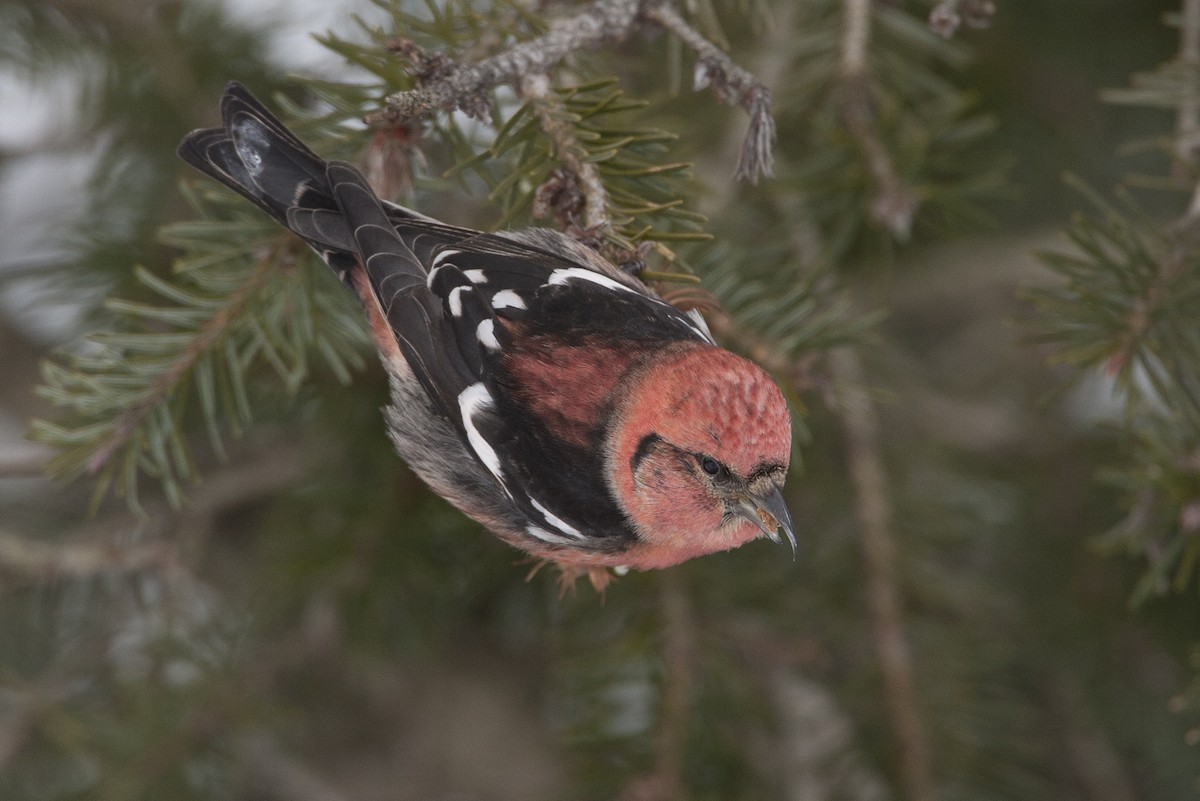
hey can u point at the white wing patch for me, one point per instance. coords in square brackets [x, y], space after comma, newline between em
[455, 299]
[471, 401]
[507, 299]
[441, 257]
[545, 536]
[475, 276]
[700, 324]
[485, 332]
[566, 274]
[556, 521]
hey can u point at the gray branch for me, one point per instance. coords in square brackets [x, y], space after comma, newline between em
[604, 22]
[734, 85]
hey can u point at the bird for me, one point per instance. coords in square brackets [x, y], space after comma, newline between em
[542, 390]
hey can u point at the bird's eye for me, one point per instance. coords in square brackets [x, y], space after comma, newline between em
[710, 465]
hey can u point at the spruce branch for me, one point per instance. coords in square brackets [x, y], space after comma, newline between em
[571, 153]
[1126, 306]
[464, 86]
[167, 383]
[130, 393]
[733, 84]
[546, 106]
[602, 22]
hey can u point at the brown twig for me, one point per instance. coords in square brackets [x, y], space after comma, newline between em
[666, 782]
[883, 592]
[537, 92]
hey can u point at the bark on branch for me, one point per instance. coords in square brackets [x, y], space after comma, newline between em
[600, 24]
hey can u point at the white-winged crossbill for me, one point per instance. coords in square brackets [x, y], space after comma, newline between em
[544, 392]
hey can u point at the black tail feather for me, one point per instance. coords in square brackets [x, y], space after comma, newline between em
[257, 156]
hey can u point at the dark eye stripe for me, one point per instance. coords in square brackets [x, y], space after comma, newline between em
[644, 446]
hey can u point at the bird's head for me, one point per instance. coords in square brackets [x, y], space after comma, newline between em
[698, 455]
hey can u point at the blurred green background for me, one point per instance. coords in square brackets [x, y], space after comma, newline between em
[312, 624]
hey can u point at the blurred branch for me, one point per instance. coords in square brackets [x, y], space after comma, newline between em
[679, 666]
[45, 560]
[1187, 123]
[679, 661]
[883, 593]
[93, 550]
[895, 203]
[23, 461]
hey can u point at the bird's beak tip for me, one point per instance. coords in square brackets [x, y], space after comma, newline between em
[769, 512]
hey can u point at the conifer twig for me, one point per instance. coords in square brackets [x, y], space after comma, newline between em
[603, 22]
[213, 329]
[895, 203]
[537, 92]
[733, 84]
